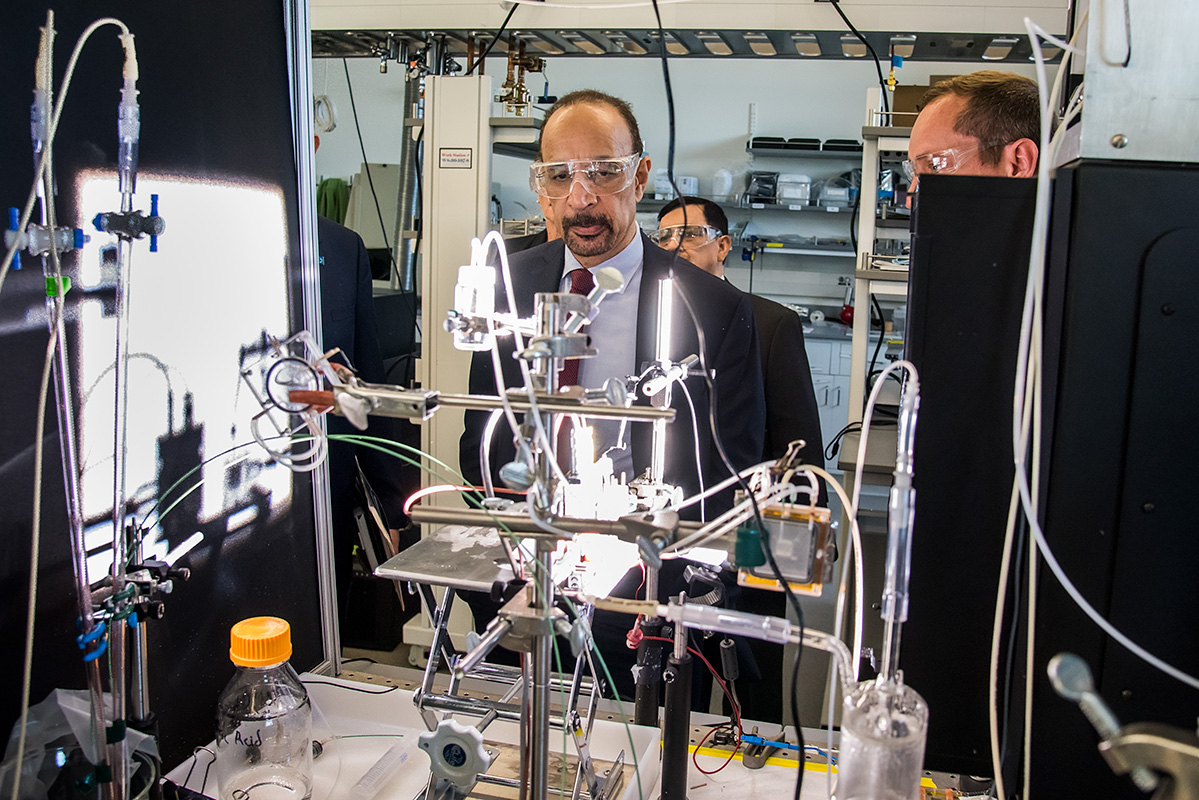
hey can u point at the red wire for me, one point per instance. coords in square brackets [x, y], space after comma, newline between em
[417, 496]
[733, 703]
[736, 747]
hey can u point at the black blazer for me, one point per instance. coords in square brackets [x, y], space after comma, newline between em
[348, 322]
[725, 316]
[791, 411]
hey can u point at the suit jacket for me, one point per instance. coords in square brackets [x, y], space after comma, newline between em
[791, 411]
[348, 322]
[518, 243]
[725, 317]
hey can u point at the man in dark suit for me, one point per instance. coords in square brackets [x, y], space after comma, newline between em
[699, 230]
[592, 172]
[586, 133]
[348, 322]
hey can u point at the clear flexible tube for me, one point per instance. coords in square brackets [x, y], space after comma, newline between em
[27, 210]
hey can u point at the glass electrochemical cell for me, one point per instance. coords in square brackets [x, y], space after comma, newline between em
[883, 731]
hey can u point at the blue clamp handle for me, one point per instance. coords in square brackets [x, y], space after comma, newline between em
[84, 639]
[154, 213]
[14, 222]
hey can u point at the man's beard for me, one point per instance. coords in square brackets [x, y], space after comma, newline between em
[595, 245]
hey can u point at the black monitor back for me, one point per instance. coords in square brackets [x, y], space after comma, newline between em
[1122, 308]
[970, 251]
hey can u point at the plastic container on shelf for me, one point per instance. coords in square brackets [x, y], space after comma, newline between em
[794, 189]
[264, 718]
[722, 185]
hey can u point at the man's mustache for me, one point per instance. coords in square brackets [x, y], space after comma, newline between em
[585, 221]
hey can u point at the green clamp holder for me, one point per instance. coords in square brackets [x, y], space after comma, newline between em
[52, 286]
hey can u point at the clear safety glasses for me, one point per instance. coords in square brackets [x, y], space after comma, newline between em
[599, 176]
[676, 235]
[941, 162]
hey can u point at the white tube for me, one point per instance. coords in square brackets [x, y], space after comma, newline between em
[724, 484]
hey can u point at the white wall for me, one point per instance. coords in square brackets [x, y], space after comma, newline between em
[712, 98]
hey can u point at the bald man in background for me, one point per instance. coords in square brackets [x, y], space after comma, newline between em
[984, 123]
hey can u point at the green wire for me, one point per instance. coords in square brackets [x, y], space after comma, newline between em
[396, 450]
[619, 703]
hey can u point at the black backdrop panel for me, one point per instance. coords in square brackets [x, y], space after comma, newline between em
[216, 145]
[965, 294]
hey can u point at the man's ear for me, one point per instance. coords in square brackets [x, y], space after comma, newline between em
[641, 177]
[724, 245]
[1020, 159]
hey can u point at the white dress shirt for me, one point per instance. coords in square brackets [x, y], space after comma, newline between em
[614, 335]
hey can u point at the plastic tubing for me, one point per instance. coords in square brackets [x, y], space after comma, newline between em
[770, 629]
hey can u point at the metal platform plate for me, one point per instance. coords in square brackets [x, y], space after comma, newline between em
[457, 556]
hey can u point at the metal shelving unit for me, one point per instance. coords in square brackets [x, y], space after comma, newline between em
[878, 141]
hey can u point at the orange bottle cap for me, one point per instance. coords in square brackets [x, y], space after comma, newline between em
[260, 642]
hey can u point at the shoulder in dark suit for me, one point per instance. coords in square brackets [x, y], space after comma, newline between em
[791, 411]
[730, 349]
[348, 322]
[520, 243]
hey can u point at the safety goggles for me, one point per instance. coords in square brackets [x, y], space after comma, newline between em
[676, 235]
[599, 176]
[941, 162]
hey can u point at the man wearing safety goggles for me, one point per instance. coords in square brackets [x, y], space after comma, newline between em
[699, 230]
[984, 123]
[590, 174]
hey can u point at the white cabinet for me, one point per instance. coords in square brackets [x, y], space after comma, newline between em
[830, 360]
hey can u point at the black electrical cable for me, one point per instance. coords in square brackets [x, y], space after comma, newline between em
[491, 44]
[388, 690]
[367, 167]
[853, 221]
[877, 64]
[707, 375]
[1009, 664]
[882, 324]
[366, 164]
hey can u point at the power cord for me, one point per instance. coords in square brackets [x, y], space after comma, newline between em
[877, 64]
[498, 34]
[366, 166]
[766, 545]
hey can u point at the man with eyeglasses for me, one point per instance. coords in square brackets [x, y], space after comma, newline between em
[984, 123]
[698, 230]
[592, 171]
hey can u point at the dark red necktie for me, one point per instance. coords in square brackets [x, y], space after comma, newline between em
[581, 282]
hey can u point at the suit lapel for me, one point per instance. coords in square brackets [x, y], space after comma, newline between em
[540, 273]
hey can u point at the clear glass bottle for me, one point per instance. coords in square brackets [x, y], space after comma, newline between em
[264, 718]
